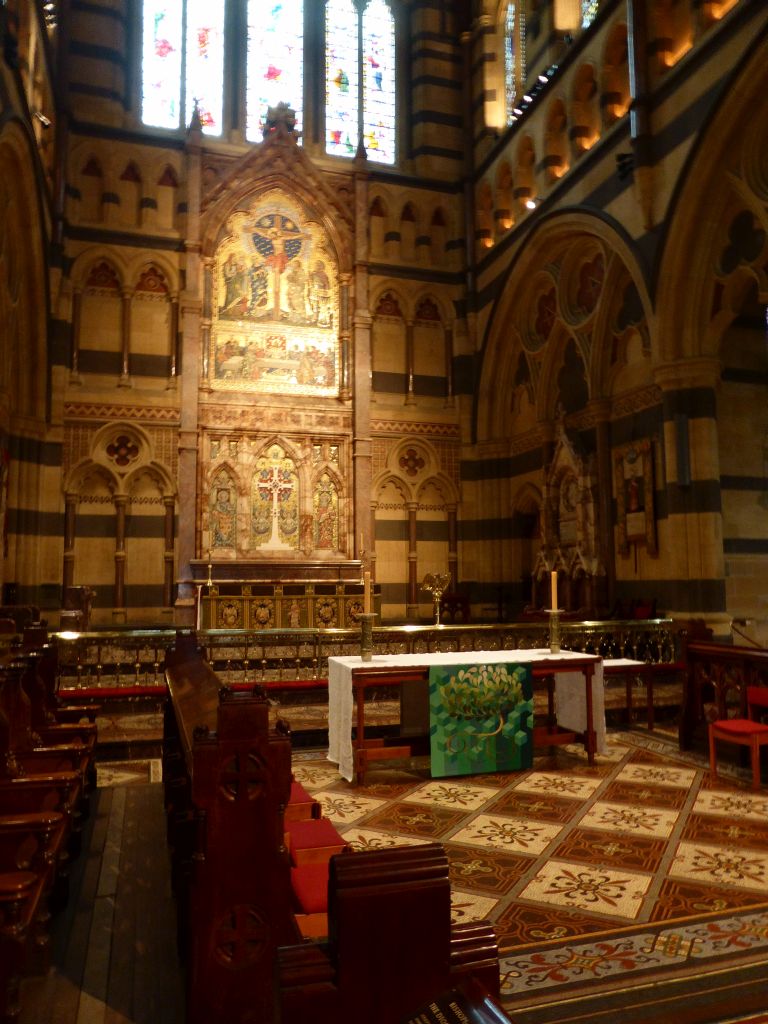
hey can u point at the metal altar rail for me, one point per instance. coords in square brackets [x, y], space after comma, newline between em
[135, 658]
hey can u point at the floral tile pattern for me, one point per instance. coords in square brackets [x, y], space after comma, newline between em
[587, 888]
[638, 867]
[636, 818]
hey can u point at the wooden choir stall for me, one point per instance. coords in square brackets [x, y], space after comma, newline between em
[390, 945]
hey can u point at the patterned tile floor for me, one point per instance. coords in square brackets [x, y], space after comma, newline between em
[640, 867]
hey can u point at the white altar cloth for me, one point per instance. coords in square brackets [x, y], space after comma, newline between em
[570, 697]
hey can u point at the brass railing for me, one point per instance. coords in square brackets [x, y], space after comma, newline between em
[135, 658]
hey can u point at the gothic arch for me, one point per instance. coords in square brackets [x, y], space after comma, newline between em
[717, 177]
[534, 273]
[87, 261]
[24, 298]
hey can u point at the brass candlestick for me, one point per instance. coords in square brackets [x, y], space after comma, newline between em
[366, 635]
[436, 584]
[554, 630]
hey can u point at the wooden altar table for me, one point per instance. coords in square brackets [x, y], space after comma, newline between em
[578, 697]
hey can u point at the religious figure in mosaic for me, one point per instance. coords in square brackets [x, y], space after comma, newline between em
[223, 514]
[326, 508]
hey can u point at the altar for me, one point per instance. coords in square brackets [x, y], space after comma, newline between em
[578, 696]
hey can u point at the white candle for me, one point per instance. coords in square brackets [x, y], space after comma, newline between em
[367, 593]
[553, 583]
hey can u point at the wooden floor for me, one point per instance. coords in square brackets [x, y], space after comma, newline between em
[114, 945]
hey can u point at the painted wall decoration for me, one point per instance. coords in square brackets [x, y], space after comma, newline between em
[481, 718]
[275, 304]
[635, 507]
[326, 509]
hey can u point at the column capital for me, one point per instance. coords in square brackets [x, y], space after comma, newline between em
[690, 373]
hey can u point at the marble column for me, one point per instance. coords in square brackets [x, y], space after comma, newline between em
[118, 610]
[412, 606]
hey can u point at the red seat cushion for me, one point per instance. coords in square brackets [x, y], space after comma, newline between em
[299, 795]
[310, 887]
[313, 835]
[740, 726]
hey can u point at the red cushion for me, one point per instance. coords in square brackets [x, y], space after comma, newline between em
[313, 835]
[740, 726]
[310, 887]
[299, 795]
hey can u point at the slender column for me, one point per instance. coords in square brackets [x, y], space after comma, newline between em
[170, 508]
[205, 324]
[361, 355]
[174, 344]
[604, 585]
[190, 312]
[370, 555]
[70, 512]
[412, 607]
[449, 385]
[453, 547]
[410, 360]
[77, 313]
[118, 611]
[125, 379]
[345, 390]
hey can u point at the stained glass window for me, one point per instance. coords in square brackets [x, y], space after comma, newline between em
[588, 12]
[379, 82]
[161, 64]
[510, 82]
[275, 70]
[183, 45]
[184, 62]
[341, 78]
[205, 63]
[355, 103]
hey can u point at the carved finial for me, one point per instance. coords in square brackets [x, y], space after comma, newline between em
[281, 123]
[196, 122]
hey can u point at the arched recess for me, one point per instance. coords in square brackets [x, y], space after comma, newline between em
[415, 512]
[712, 303]
[377, 225]
[525, 519]
[119, 535]
[24, 297]
[388, 343]
[24, 308]
[391, 498]
[99, 279]
[615, 95]
[431, 360]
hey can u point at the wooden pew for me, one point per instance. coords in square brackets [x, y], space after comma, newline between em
[35, 828]
[391, 945]
[229, 779]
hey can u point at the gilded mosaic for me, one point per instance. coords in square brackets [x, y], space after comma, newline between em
[275, 305]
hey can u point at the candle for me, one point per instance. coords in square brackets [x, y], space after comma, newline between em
[362, 549]
[367, 593]
[553, 581]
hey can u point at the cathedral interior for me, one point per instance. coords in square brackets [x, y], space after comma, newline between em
[475, 288]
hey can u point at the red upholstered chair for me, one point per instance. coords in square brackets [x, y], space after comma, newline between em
[746, 732]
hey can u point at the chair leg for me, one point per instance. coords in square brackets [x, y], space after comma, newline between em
[712, 754]
[755, 754]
